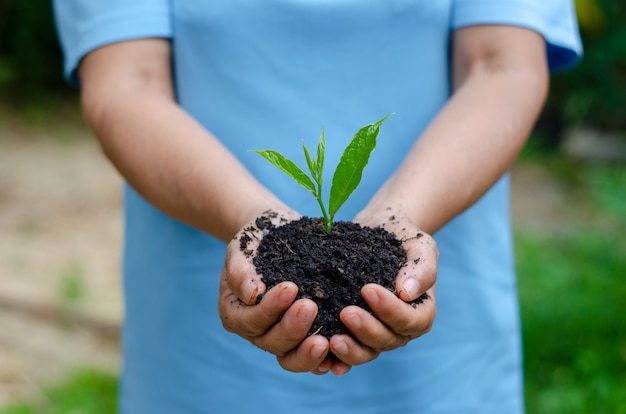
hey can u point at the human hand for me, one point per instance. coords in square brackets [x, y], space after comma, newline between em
[276, 323]
[395, 320]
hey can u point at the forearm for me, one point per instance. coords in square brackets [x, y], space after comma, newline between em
[473, 141]
[468, 147]
[179, 167]
[165, 155]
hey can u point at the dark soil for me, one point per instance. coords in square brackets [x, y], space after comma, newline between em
[329, 269]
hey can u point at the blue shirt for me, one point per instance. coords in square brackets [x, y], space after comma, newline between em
[267, 74]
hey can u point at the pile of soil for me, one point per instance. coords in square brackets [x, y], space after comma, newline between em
[329, 268]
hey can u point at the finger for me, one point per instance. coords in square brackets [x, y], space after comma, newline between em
[340, 368]
[420, 272]
[252, 321]
[351, 352]
[241, 276]
[310, 355]
[374, 336]
[402, 318]
[291, 330]
[325, 366]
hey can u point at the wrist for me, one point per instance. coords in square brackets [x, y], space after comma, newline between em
[272, 208]
[382, 212]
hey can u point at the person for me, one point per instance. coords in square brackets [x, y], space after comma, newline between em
[177, 93]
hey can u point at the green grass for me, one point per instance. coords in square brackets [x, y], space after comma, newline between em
[572, 281]
[573, 293]
[86, 392]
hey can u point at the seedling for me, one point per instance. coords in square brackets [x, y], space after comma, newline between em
[347, 175]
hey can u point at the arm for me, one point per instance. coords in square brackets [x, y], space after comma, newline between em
[173, 162]
[500, 80]
[128, 101]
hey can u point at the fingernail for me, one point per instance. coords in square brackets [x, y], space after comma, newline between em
[249, 291]
[341, 347]
[285, 297]
[354, 321]
[410, 287]
[340, 369]
[317, 351]
[304, 316]
[370, 296]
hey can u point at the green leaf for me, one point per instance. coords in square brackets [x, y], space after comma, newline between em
[312, 163]
[288, 167]
[347, 176]
[316, 166]
[350, 168]
[321, 151]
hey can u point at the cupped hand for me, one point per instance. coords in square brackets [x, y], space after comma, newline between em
[276, 323]
[397, 317]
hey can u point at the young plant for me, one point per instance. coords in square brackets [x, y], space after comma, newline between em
[347, 175]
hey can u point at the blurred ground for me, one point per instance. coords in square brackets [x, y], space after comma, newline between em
[60, 302]
[59, 232]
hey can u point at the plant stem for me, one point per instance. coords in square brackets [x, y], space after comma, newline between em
[320, 201]
[327, 220]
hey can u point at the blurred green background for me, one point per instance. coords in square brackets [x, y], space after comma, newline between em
[571, 264]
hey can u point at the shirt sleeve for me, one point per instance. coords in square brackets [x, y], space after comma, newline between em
[85, 25]
[555, 20]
